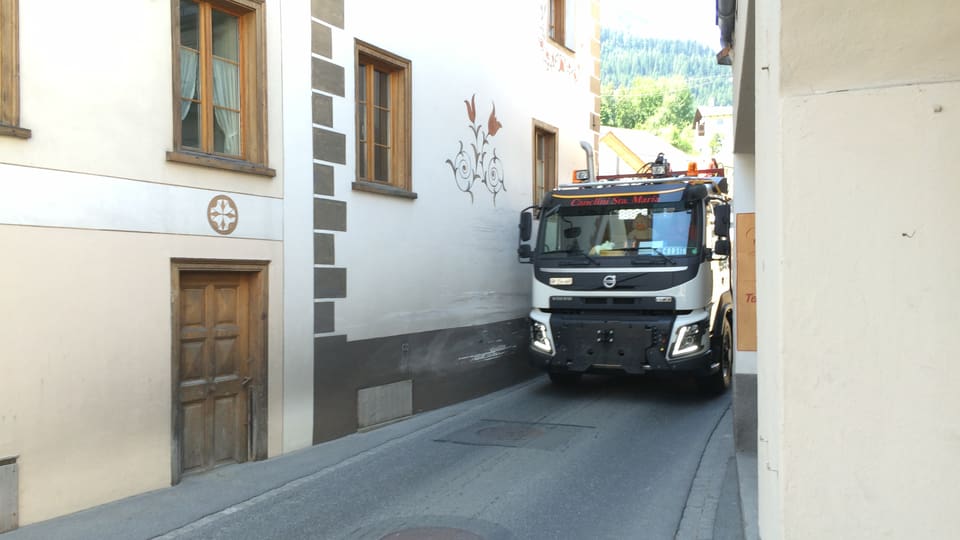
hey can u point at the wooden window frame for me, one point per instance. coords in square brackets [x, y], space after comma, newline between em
[557, 29]
[551, 177]
[400, 181]
[253, 157]
[555, 20]
[10, 71]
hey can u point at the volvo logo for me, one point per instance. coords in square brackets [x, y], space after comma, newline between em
[610, 281]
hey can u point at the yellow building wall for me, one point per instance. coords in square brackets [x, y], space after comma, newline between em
[85, 391]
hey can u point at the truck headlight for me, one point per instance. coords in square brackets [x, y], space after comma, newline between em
[691, 338]
[538, 337]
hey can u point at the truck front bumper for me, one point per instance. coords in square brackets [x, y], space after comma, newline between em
[632, 345]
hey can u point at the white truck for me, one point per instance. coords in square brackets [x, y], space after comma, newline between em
[631, 276]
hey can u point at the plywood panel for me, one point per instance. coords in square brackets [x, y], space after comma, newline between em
[746, 312]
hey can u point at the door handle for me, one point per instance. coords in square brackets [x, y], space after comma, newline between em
[245, 381]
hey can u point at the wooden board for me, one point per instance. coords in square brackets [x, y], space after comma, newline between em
[746, 289]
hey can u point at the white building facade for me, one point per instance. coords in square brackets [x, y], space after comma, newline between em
[218, 249]
[426, 146]
[844, 117]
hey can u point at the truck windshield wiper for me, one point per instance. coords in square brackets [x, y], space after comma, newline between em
[582, 253]
[657, 251]
[571, 252]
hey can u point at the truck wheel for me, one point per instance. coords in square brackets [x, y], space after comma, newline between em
[718, 382]
[564, 379]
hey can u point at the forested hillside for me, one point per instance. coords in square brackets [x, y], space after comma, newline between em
[624, 57]
[656, 85]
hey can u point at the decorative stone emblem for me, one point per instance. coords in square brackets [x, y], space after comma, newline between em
[222, 214]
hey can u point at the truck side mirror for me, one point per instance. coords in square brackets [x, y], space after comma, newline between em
[722, 247]
[524, 251]
[721, 220]
[526, 225]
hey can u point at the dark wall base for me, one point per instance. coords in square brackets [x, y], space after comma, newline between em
[445, 367]
[745, 412]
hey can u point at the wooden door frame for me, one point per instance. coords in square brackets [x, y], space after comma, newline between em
[258, 273]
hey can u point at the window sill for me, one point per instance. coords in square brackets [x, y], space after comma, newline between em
[563, 48]
[217, 162]
[14, 131]
[372, 187]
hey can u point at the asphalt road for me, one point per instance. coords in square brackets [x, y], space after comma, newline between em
[606, 459]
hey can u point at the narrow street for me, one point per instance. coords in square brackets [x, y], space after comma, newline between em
[606, 459]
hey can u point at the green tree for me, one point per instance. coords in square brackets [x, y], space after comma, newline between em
[661, 106]
[623, 57]
[716, 144]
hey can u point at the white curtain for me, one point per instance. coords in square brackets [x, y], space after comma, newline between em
[226, 93]
[188, 79]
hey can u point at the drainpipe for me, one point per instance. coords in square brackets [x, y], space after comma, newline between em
[726, 15]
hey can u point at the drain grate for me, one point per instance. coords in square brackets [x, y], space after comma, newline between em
[513, 434]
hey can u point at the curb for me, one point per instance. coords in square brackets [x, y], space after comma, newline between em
[700, 511]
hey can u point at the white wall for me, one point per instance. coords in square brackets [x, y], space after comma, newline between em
[97, 95]
[856, 129]
[770, 306]
[869, 331]
[443, 261]
[90, 218]
[297, 225]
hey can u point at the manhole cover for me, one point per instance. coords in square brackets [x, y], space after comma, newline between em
[515, 434]
[432, 533]
[509, 432]
[432, 527]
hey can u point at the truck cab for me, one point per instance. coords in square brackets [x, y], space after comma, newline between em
[631, 276]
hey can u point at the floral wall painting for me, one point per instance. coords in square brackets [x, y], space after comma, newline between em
[477, 159]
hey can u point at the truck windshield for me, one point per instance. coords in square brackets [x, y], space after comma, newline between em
[662, 230]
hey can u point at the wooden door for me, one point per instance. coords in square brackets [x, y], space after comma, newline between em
[214, 370]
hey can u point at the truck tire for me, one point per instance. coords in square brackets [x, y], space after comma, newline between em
[717, 383]
[564, 379]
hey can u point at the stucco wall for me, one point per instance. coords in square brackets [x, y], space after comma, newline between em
[85, 392]
[770, 203]
[856, 108]
[870, 289]
[297, 226]
[97, 93]
[840, 46]
[446, 260]
[91, 215]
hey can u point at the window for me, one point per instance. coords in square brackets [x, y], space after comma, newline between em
[383, 118]
[560, 22]
[10, 71]
[544, 160]
[219, 74]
